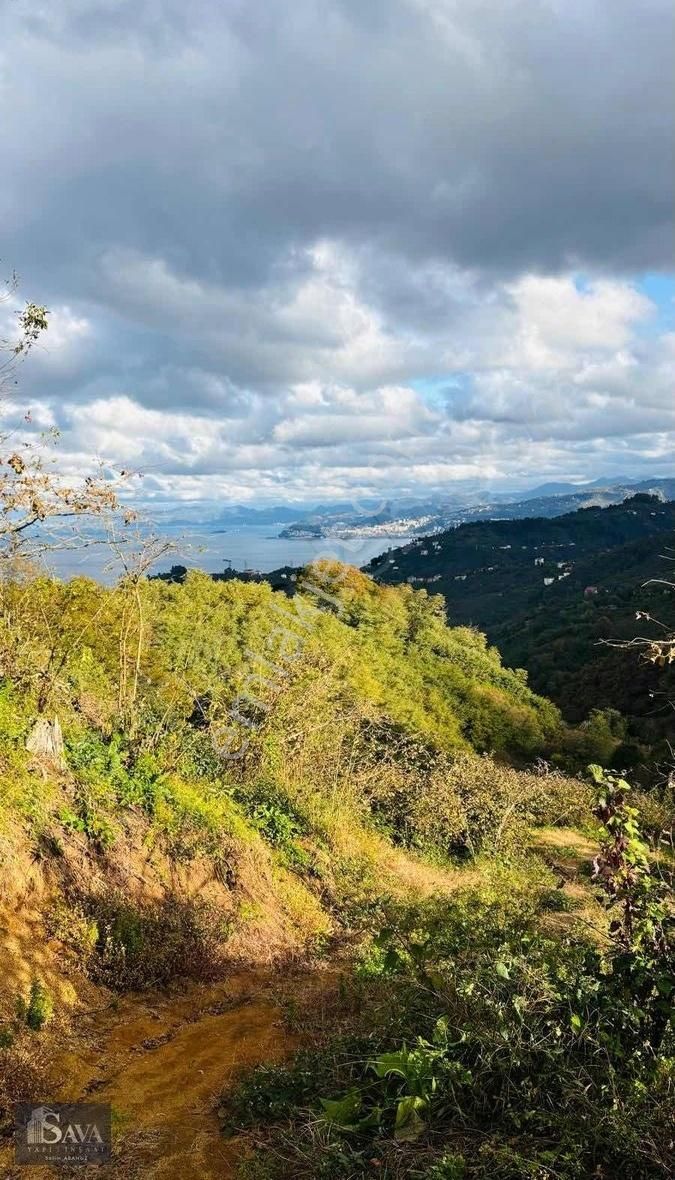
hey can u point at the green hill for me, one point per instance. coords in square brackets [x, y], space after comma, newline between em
[552, 594]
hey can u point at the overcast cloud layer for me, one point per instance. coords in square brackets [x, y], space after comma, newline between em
[308, 250]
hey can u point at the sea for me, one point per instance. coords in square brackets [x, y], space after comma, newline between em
[246, 547]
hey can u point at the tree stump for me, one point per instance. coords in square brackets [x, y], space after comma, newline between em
[46, 741]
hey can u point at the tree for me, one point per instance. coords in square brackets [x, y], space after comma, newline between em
[36, 497]
[32, 489]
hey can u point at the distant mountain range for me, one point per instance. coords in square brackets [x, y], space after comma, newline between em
[417, 516]
[409, 519]
[213, 516]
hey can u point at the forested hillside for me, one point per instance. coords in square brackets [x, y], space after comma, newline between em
[554, 595]
[170, 697]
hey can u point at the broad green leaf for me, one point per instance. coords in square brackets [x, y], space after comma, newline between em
[343, 1111]
[371, 1120]
[389, 1063]
[409, 1121]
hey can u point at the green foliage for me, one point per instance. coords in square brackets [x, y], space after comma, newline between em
[304, 685]
[195, 817]
[38, 1009]
[88, 822]
[407, 1080]
[12, 714]
[487, 574]
[356, 702]
[275, 1091]
[449, 1167]
[640, 904]
[270, 812]
[504, 1052]
[439, 804]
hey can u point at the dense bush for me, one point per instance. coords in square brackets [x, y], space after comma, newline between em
[146, 946]
[465, 803]
[200, 645]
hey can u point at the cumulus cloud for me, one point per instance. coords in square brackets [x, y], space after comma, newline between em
[293, 250]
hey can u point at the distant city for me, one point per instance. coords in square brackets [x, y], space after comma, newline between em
[397, 519]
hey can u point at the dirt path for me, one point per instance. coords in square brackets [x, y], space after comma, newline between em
[162, 1062]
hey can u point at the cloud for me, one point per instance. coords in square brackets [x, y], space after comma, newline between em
[293, 249]
[557, 319]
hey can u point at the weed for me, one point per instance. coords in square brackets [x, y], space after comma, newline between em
[38, 1009]
[449, 1167]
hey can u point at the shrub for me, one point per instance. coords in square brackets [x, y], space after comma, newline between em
[73, 927]
[197, 817]
[270, 811]
[657, 814]
[147, 946]
[38, 1009]
[468, 803]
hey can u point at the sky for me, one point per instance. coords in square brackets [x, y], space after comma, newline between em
[328, 249]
